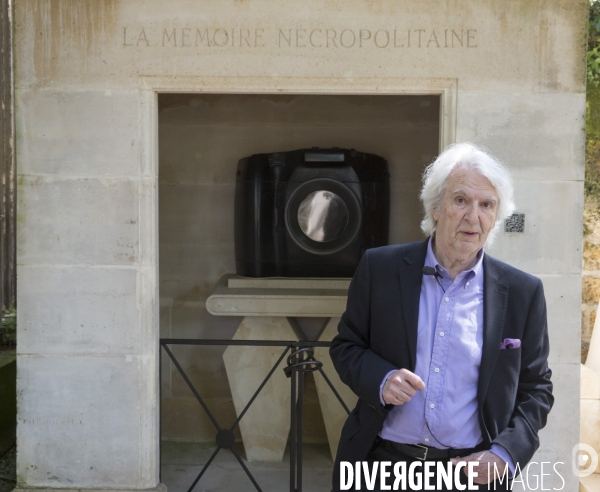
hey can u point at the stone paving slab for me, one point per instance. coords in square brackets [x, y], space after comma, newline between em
[182, 461]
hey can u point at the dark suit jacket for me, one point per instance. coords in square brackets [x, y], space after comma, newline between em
[378, 333]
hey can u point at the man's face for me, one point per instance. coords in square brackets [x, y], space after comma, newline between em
[466, 215]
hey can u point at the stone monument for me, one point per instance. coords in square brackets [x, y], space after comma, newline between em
[507, 75]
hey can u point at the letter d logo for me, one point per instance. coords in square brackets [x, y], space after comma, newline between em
[582, 455]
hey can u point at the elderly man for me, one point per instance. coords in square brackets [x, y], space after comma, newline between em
[445, 346]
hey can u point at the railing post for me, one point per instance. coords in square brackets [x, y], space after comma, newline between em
[292, 375]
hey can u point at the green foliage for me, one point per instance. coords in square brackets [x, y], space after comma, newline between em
[8, 328]
[593, 52]
[592, 144]
[592, 170]
[593, 67]
[592, 147]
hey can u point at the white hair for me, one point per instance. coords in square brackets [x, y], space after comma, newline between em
[469, 156]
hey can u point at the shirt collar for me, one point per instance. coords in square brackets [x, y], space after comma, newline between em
[431, 260]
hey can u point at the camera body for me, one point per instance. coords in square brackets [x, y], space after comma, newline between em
[309, 212]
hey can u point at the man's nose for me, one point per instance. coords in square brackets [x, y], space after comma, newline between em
[471, 213]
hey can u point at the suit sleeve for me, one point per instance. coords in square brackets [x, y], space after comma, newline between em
[534, 391]
[357, 365]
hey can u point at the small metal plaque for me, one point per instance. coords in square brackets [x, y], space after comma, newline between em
[515, 224]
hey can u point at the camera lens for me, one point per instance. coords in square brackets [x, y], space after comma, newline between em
[323, 216]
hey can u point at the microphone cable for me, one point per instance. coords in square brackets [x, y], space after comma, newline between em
[430, 271]
[427, 270]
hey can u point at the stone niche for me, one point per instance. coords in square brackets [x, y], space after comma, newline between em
[130, 118]
[201, 138]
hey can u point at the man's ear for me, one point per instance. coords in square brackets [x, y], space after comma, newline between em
[435, 214]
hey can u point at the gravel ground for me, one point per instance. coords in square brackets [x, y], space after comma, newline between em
[8, 470]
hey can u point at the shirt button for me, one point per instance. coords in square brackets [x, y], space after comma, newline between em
[431, 405]
[468, 283]
[441, 333]
[426, 439]
[446, 299]
[437, 369]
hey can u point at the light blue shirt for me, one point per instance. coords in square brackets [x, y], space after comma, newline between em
[449, 347]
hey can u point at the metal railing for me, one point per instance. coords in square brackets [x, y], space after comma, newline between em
[300, 360]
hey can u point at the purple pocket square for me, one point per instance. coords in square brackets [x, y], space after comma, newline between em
[510, 343]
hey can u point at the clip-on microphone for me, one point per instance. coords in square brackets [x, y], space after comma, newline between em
[427, 270]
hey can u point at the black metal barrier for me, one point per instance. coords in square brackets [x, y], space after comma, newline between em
[300, 360]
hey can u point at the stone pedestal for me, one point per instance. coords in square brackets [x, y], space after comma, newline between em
[590, 410]
[267, 304]
[590, 398]
[266, 424]
[291, 297]
[590, 484]
[593, 358]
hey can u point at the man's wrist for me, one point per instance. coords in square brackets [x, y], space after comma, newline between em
[385, 378]
[504, 455]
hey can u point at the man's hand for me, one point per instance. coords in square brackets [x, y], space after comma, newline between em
[483, 457]
[401, 386]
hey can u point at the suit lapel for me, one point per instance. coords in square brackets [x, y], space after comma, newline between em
[495, 299]
[411, 276]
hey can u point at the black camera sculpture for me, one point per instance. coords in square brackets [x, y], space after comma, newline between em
[309, 212]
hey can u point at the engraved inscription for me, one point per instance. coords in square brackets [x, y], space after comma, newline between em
[65, 421]
[133, 40]
[300, 38]
[379, 38]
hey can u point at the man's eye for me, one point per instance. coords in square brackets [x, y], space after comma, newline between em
[486, 204]
[460, 200]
